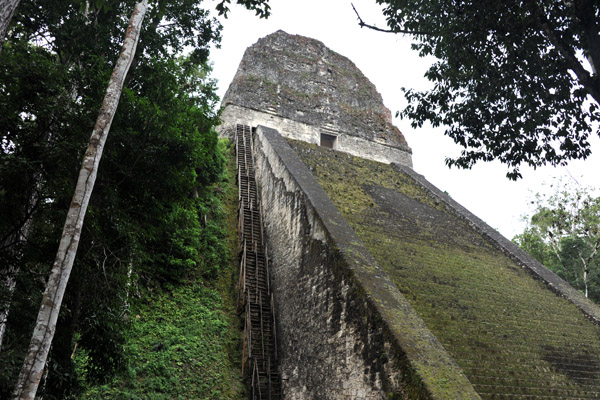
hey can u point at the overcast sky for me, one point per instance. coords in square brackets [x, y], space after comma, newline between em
[388, 62]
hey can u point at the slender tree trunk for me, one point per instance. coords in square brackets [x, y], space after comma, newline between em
[586, 264]
[7, 9]
[586, 271]
[45, 327]
[13, 247]
[9, 281]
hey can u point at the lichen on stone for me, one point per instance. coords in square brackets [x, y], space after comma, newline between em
[301, 79]
[510, 333]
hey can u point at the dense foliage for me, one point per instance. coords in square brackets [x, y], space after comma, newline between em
[147, 224]
[261, 7]
[183, 341]
[514, 81]
[564, 234]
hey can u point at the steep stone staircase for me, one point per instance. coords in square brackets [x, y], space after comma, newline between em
[255, 299]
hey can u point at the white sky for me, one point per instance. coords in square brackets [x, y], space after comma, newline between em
[388, 62]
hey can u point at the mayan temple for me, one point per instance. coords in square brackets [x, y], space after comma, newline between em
[361, 280]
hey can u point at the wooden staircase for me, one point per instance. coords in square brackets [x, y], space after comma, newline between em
[255, 299]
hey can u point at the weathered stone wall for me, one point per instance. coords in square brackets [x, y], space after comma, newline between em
[299, 79]
[233, 114]
[512, 337]
[525, 260]
[345, 331]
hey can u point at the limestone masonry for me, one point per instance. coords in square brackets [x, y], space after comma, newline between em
[308, 92]
[384, 287]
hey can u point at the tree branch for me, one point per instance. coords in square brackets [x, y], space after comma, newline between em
[584, 11]
[583, 76]
[363, 24]
[554, 246]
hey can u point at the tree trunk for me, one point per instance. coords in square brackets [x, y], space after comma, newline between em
[586, 271]
[7, 9]
[45, 327]
[8, 278]
[9, 281]
[12, 246]
[586, 264]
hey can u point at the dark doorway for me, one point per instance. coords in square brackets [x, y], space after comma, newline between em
[329, 141]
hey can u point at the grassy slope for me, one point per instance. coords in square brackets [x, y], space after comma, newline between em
[184, 341]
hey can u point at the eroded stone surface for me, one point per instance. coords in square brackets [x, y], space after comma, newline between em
[345, 331]
[499, 319]
[303, 89]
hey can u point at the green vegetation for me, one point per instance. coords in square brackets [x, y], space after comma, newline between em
[564, 234]
[183, 341]
[508, 82]
[153, 233]
[175, 348]
[505, 329]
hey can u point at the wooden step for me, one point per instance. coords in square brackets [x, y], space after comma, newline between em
[265, 382]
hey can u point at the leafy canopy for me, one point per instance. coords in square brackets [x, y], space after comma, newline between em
[261, 7]
[515, 80]
[563, 233]
[149, 219]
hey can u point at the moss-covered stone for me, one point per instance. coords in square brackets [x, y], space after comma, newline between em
[301, 79]
[342, 320]
[512, 336]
